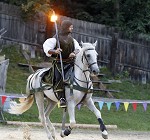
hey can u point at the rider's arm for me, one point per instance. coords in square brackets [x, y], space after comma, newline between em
[76, 50]
[49, 46]
[53, 51]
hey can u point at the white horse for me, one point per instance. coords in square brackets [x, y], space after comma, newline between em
[79, 91]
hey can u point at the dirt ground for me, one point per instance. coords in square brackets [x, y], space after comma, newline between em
[38, 133]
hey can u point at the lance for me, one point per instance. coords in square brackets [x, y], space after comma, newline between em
[54, 19]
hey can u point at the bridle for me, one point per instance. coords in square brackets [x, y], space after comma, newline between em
[89, 64]
[84, 71]
[85, 56]
[74, 81]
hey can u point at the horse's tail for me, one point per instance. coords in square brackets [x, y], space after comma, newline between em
[33, 83]
[23, 106]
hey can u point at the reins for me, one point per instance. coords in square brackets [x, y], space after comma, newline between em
[75, 80]
[84, 71]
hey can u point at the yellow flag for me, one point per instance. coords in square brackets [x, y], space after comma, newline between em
[126, 105]
[58, 104]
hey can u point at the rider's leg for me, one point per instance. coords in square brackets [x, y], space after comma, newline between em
[59, 87]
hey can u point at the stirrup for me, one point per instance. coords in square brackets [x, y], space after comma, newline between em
[63, 103]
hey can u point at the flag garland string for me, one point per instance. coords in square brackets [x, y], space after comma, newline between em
[126, 105]
[4, 97]
[118, 102]
[101, 102]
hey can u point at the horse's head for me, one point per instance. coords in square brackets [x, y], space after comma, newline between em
[89, 56]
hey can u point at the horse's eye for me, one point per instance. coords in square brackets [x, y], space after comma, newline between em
[88, 55]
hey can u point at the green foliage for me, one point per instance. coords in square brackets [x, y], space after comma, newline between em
[131, 16]
[32, 7]
[122, 75]
[85, 16]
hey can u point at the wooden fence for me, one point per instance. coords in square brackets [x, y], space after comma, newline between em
[17, 28]
[115, 50]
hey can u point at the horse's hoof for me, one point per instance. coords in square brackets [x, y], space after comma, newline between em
[54, 137]
[62, 134]
[105, 134]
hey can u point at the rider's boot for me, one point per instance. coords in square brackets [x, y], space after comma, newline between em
[61, 97]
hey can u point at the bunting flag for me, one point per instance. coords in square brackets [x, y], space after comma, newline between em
[134, 105]
[145, 106]
[100, 104]
[58, 104]
[126, 105]
[108, 105]
[7, 104]
[79, 106]
[3, 99]
[117, 105]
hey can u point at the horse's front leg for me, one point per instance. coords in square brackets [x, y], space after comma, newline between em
[71, 112]
[92, 107]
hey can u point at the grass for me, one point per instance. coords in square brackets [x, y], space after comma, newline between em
[130, 120]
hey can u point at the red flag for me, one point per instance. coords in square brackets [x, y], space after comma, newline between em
[134, 105]
[3, 99]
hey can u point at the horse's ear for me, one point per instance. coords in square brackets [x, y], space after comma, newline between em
[95, 43]
[81, 43]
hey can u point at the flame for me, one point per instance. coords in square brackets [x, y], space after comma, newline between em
[54, 18]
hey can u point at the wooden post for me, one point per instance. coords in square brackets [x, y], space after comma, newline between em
[32, 50]
[114, 47]
[3, 76]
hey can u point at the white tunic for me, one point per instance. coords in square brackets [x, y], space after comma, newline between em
[51, 43]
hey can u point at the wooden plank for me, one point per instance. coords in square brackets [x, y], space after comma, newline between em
[27, 65]
[82, 126]
[100, 74]
[100, 85]
[106, 90]
[104, 82]
[27, 57]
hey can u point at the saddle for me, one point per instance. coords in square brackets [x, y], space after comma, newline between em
[48, 76]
